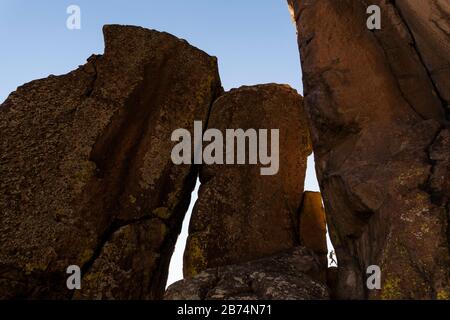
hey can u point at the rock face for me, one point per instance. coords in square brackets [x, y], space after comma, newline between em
[242, 215]
[429, 25]
[288, 276]
[87, 177]
[377, 103]
[313, 226]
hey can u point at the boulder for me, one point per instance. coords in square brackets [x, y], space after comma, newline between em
[240, 214]
[291, 275]
[87, 176]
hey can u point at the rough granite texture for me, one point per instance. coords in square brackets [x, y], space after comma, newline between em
[241, 215]
[377, 103]
[291, 275]
[87, 177]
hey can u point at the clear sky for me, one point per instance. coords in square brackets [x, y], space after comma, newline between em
[254, 40]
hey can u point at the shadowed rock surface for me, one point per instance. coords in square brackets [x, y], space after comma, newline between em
[288, 276]
[313, 226]
[87, 177]
[241, 215]
[429, 24]
[377, 103]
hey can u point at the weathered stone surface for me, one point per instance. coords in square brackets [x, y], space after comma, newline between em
[87, 177]
[313, 226]
[242, 215]
[429, 23]
[127, 265]
[292, 275]
[376, 102]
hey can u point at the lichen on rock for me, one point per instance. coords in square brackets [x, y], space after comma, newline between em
[86, 168]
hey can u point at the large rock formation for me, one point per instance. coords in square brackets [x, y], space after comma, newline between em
[241, 214]
[429, 25]
[377, 103]
[87, 177]
[292, 275]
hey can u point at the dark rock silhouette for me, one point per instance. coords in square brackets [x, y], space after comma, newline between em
[87, 177]
[377, 103]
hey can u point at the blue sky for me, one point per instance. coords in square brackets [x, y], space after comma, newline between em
[254, 40]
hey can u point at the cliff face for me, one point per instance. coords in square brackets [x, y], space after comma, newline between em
[241, 214]
[87, 177]
[378, 108]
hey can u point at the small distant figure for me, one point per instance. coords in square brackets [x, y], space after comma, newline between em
[331, 256]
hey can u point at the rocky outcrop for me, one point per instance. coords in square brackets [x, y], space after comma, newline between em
[242, 215]
[291, 275]
[377, 103]
[313, 226]
[87, 177]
